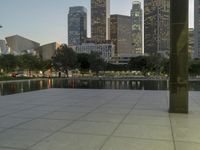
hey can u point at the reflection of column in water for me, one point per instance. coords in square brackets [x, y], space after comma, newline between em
[167, 84]
[49, 83]
[126, 85]
[112, 84]
[41, 84]
[52, 83]
[22, 87]
[72, 83]
[115, 84]
[1, 90]
[137, 85]
[118, 84]
[29, 84]
[122, 85]
[130, 84]
[13, 87]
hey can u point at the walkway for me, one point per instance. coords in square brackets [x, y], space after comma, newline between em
[66, 119]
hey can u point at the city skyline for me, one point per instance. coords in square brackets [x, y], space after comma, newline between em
[48, 22]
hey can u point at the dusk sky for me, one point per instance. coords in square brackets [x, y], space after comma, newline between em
[45, 21]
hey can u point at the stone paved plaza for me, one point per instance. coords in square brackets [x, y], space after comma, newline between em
[67, 119]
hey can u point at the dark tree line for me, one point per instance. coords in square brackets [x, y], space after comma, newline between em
[147, 64]
[10, 63]
[66, 59]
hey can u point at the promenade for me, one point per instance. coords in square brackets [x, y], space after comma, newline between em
[75, 119]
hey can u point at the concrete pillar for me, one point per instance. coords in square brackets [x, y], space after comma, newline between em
[179, 56]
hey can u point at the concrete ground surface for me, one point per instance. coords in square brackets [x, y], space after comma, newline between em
[68, 119]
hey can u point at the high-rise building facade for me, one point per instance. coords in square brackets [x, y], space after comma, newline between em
[106, 50]
[196, 29]
[191, 42]
[77, 25]
[100, 18]
[121, 34]
[137, 33]
[157, 27]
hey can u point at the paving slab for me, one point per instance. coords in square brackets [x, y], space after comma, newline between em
[118, 143]
[78, 119]
[66, 141]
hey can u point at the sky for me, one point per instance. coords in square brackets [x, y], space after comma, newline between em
[45, 21]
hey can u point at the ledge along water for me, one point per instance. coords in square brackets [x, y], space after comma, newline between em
[12, 87]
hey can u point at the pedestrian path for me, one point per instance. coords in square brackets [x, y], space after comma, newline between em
[77, 119]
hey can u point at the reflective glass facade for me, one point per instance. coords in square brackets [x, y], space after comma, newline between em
[120, 34]
[156, 26]
[100, 16]
[77, 25]
[197, 29]
[136, 17]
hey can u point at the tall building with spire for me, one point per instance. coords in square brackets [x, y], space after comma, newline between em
[77, 25]
[137, 33]
[100, 18]
[157, 27]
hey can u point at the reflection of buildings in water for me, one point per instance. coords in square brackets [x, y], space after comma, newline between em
[1, 89]
[72, 83]
[22, 87]
[29, 84]
[49, 84]
[117, 84]
[13, 87]
[41, 84]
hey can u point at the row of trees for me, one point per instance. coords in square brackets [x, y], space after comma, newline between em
[10, 63]
[66, 59]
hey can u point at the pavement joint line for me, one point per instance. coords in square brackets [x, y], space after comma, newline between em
[147, 139]
[182, 141]
[57, 131]
[195, 101]
[12, 148]
[119, 124]
[9, 114]
[172, 132]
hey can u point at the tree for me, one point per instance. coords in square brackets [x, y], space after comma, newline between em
[194, 67]
[138, 64]
[8, 62]
[44, 65]
[154, 64]
[65, 59]
[96, 63]
[83, 62]
[28, 62]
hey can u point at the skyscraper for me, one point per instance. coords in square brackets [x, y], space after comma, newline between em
[77, 25]
[136, 17]
[196, 29]
[191, 42]
[120, 34]
[156, 27]
[100, 16]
